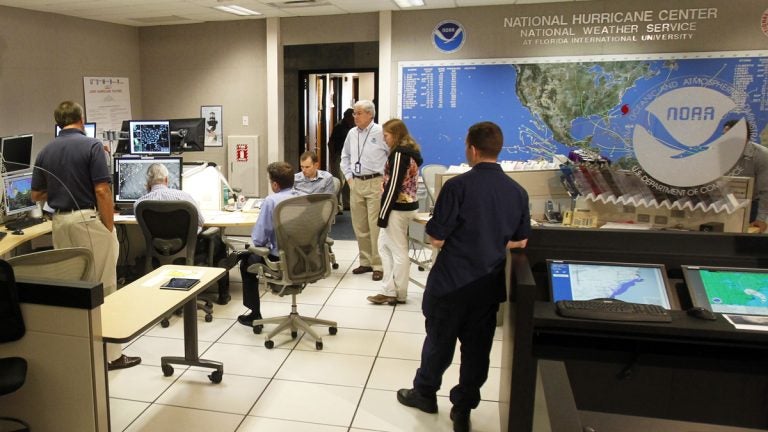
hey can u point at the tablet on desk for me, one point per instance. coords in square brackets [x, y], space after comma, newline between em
[182, 284]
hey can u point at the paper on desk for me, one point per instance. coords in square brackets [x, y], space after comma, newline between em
[124, 218]
[748, 322]
[163, 277]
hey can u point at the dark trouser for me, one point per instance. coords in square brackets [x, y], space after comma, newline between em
[251, 298]
[219, 254]
[472, 322]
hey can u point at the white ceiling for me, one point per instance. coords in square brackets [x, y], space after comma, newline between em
[166, 12]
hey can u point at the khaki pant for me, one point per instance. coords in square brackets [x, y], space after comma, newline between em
[364, 204]
[393, 248]
[84, 228]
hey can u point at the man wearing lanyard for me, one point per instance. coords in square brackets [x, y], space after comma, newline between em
[362, 162]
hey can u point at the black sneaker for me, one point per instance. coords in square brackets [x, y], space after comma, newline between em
[412, 398]
[247, 319]
[460, 419]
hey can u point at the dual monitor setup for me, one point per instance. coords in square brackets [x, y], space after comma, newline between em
[741, 291]
[161, 137]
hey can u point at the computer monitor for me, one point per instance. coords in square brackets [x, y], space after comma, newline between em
[187, 134]
[16, 152]
[151, 137]
[131, 176]
[630, 282]
[18, 193]
[741, 291]
[88, 128]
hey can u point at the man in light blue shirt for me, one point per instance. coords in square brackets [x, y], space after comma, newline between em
[263, 234]
[311, 179]
[362, 162]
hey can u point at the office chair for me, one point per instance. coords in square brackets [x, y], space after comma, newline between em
[13, 370]
[336, 190]
[301, 227]
[428, 173]
[68, 264]
[170, 236]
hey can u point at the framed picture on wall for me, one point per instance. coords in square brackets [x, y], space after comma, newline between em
[214, 136]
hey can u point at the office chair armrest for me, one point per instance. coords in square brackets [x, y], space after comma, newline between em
[209, 233]
[259, 250]
[329, 241]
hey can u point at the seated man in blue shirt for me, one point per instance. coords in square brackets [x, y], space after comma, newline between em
[263, 234]
[311, 179]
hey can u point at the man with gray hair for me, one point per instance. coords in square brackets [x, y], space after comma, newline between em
[362, 162]
[158, 190]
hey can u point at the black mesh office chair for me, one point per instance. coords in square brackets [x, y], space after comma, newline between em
[301, 227]
[170, 236]
[13, 370]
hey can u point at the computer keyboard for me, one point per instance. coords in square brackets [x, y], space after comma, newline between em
[612, 310]
[127, 211]
[19, 224]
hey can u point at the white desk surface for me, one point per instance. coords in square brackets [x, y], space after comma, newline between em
[140, 304]
[212, 219]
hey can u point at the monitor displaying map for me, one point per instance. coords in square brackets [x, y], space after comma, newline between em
[742, 291]
[629, 282]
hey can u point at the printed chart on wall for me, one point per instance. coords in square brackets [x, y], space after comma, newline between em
[624, 107]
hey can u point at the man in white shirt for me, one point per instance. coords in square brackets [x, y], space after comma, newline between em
[362, 162]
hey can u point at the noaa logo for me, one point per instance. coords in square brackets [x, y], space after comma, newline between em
[448, 36]
[678, 139]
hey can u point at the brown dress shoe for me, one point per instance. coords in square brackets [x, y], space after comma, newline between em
[362, 269]
[377, 275]
[123, 362]
[382, 299]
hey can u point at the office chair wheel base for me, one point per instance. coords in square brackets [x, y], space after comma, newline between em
[258, 328]
[335, 266]
[269, 344]
[167, 370]
[216, 376]
[294, 334]
[332, 330]
[164, 323]
[319, 345]
[208, 317]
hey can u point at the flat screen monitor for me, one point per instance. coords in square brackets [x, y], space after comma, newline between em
[150, 137]
[187, 134]
[16, 152]
[88, 128]
[18, 193]
[131, 176]
[123, 143]
[741, 291]
[629, 282]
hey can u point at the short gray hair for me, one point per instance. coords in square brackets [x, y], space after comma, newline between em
[156, 174]
[366, 106]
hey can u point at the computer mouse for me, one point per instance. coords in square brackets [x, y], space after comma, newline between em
[17, 232]
[702, 313]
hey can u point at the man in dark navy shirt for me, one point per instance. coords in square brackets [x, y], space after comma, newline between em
[477, 217]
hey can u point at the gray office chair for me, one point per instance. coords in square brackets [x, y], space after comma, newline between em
[170, 236]
[13, 370]
[68, 264]
[428, 173]
[301, 227]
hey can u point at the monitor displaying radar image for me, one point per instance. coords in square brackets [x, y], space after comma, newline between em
[742, 291]
[18, 193]
[150, 137]
[629, 282]
[131, 176]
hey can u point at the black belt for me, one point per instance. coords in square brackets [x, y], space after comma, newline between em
[367, 177]
[73, 210]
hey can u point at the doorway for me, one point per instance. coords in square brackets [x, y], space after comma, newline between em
[324, 96]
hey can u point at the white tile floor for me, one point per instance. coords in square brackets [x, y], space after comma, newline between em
[348, 386]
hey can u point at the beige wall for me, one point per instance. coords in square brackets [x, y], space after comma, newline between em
[43, 59]
[222, 63]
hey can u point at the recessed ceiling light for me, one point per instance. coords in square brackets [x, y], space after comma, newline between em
[409, 3]
[237, 10]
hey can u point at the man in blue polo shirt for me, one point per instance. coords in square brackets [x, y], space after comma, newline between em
[72, 175]
[477, 217]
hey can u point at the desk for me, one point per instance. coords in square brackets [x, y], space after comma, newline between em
[11, 242]
[141, 304]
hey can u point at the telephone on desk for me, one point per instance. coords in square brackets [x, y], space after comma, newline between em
[252, 205]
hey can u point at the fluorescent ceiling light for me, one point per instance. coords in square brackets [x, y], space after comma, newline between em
[237, 10]
[409, 3]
